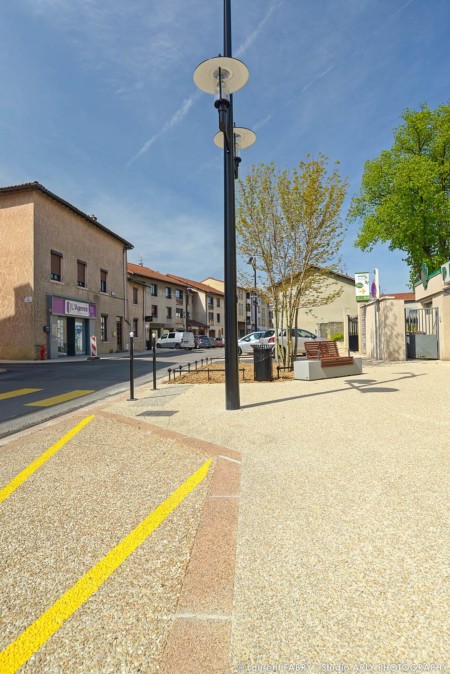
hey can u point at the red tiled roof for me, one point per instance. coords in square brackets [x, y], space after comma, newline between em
[148, 273]
[195, 284]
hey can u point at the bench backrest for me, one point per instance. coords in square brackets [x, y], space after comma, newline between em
[319, 350]
[328, 349]
[312, 350]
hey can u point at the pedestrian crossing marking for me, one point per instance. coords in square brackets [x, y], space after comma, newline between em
[18, 392]
[43, 628]
[55, 400]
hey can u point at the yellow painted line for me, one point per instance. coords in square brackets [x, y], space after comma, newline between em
[18, 392]
[48, 402]
[5, 492]
[19, 651]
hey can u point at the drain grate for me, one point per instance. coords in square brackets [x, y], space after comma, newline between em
[157, 413]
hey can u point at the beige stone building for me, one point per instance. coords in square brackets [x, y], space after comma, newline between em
[206, 308]
[245, 308]
[164, 302]
[157, 303]
[63, 278]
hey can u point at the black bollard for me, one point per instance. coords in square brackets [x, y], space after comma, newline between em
[154, 363]
[131, 367]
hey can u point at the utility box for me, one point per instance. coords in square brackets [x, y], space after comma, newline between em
[262, 362]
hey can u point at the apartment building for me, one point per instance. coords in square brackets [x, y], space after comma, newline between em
[206, 308]
[249, 304]
[63, 278]
[157, 303]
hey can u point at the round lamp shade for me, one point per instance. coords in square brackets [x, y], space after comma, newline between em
[242, 138]
[234, 74]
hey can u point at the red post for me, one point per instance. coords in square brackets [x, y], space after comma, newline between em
[42, 352]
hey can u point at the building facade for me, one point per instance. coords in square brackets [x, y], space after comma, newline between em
[63, 278]
[248, 305]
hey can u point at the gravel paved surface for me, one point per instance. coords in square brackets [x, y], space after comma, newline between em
[343, 536]
[342, 533]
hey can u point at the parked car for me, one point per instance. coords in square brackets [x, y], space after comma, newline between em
[245, 343]
[220, 341]
[302, 337]
[176, 340]
[202, 342]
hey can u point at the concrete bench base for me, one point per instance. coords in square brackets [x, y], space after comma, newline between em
[312, 369]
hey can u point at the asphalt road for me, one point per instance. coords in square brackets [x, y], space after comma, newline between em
[34, 392]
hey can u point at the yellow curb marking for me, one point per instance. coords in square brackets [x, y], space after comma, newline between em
[35, 636]
[47, 402]
[18, 392]
[5, 492]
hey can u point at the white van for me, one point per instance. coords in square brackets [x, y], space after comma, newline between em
[176, 340]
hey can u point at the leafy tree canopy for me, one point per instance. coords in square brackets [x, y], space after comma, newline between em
[404, 198]
[291, 222]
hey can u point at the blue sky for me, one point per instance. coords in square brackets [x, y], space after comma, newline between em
[99, 105]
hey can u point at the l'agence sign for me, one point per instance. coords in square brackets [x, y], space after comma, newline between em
[76, 309]
[65, 307]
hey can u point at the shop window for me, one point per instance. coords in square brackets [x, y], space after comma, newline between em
[103, 328]
[81, 274]
[135, 326]
[135, 295]
[103, 280]
[56, 266]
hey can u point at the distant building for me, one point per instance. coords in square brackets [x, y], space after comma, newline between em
[247, 303]
[63, 278]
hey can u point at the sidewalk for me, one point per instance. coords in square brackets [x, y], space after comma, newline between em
[330, 551]
[342, 536]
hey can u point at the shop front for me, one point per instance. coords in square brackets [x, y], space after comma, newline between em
[71, 323]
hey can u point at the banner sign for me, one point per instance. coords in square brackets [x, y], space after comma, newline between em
[362, 286]
[62, 306]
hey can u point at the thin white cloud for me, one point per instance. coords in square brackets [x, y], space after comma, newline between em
[318, 77]
[176, 118]
[262, 122]
[252, 37]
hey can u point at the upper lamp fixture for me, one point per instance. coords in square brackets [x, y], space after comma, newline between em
[242, 138]
[221, 76]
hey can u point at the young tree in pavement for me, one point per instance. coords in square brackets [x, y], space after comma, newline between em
[291, 222]
[404, 198]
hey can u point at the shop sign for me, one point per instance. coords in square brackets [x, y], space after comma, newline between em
[362, 286]
[76, 308]
[65, 307]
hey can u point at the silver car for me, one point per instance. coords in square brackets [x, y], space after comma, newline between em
[245, 343]
[302, 337]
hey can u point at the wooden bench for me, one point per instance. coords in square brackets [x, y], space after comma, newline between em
[327, 353]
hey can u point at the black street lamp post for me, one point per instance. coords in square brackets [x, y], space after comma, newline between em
[252, 261]
[186, 321]
[222, 76]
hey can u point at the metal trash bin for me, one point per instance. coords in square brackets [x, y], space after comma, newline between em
[262, 362]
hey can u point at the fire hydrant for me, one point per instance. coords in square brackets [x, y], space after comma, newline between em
[42, 352]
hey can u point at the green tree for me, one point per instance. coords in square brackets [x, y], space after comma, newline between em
[404, 198]
[291, 223]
